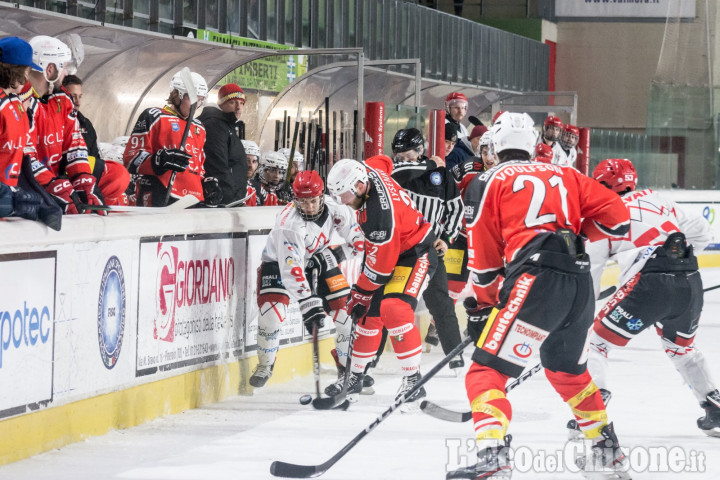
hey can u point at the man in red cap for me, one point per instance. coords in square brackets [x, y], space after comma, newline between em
[456, 105]
[225, 157]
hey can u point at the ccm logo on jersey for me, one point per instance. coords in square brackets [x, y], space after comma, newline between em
[377, 235]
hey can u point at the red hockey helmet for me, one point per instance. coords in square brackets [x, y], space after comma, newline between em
[553, 121]
[570, 136]
[543, 153]
[456, 99]
[308, 190]
[618, 174]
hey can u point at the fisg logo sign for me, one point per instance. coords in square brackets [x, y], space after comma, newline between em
[23, 328]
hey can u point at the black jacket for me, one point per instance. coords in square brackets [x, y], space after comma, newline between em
[224, 153]
[90, 137]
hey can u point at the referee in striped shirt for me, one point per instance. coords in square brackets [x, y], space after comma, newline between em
[437, 197]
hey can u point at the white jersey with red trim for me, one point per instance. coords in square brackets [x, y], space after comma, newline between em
[293, 240]
[562, 157]
[652, 219]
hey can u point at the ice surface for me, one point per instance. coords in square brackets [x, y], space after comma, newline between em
[240, 437]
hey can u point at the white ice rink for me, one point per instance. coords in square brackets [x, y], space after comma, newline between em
[653, 411]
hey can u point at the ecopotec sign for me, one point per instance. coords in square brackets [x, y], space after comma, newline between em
[27, 313]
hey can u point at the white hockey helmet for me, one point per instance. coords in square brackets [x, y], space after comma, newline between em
[274, 160]
[298, 157]
[486, 139]
[514, 131]
[251, 148]
[200, 85]
[344, 175]
[49, 50]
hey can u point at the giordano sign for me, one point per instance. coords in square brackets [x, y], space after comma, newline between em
[270, 74]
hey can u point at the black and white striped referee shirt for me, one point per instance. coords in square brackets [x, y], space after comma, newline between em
[435, 194]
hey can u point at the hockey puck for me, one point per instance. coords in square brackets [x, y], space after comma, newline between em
[305, 399]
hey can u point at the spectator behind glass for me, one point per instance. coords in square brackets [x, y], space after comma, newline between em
[113, 178]
[225, 157]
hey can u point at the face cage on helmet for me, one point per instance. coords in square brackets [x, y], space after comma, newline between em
[271, 187]
[565, 139]
[311, 218]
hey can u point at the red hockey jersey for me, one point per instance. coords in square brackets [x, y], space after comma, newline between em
[157, 129]
[14, 133]
[507, 206]
[390, 223]
[56, 134]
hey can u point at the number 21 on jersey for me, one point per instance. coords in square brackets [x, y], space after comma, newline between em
[543, 198]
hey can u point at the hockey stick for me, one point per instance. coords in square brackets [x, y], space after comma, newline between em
[610, 290]
[184, 202]
[607, 292]
[442, 413]
[291, 470]
[238, 202]
[192, 94]
[291, 158]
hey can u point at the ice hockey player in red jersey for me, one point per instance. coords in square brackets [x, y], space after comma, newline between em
[399, 259]
[55, 130]
[661, 286]
[15, 62]
[154, 152]
[534, 291]
[298, 264]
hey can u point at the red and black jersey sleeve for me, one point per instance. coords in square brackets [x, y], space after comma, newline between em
[390, 223]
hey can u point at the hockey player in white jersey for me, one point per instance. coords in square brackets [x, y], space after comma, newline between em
[565, 150]
[298, 264]
[661, 286]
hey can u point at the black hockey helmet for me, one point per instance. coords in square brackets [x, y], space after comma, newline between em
[407, 139]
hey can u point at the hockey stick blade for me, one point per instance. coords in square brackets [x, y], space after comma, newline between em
[442, 413]
[607, 292]
[290, 470]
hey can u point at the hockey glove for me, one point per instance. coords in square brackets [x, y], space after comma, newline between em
[62, 190]
[323, 260]
[358, 303]
[172, 159]
[86, 187]
[312, 313]
[26, 203]
[211, 191]
[477, 317]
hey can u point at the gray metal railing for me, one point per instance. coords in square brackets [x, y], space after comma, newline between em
[450, 48]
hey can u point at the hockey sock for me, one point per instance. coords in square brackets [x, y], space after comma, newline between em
[491, 410]
[366, 343]
[583, 398]
[269, 320]
[404, 335]
[597, 362]
[343, 324]
[690, 363]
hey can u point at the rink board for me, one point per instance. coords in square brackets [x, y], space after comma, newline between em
[117, 320]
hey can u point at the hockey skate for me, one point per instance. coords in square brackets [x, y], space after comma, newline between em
[412, 403]
[431, 338]
[457, 365]
[710, 423]
[493, 463]
[261, 375]
[335, 388]
[355, 385]
[606, 460]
